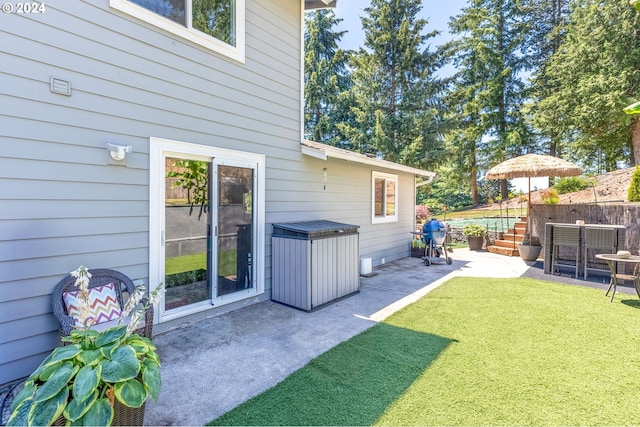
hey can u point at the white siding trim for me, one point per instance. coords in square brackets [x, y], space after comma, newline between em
[160, 147]
[236, 52]
[386, 177]
[302, 56]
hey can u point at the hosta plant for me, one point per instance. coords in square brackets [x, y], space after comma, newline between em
[81, 380]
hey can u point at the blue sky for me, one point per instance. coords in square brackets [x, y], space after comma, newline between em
[437, 12]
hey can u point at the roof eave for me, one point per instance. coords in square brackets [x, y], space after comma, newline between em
[317, 150]
[319, 4]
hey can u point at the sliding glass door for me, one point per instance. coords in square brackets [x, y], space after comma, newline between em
[187, 232]
[209, 223]
[235, 227]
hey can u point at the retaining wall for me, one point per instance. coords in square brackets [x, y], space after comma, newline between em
[627, 214]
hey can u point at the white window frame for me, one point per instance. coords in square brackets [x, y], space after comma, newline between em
[236, 52]
[159, 148]
[386, 177]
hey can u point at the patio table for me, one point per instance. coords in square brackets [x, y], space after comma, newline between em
[612, 260]
[549, 239]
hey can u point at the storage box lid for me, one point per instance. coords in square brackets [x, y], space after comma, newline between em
[312, 229]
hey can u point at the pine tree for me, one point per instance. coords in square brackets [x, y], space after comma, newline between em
[488, 91]
[595, 73]
[395, 91]
[326, 78]
[546, 30]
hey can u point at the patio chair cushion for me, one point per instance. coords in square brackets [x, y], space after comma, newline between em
[124, 288]
[104, 305]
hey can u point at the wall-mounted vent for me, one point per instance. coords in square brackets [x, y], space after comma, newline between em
[60, 86]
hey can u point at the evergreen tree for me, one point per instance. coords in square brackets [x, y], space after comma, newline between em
[595, 75]
[395, 91]
[546, 30]
[488, 91]
[633, 194]
[326, 78]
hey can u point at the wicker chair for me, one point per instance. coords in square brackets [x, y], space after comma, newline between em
[598, 238]
[123, 286]
[565, 236]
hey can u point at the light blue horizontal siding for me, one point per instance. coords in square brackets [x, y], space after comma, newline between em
[28, 346]
[14, 369]
[345, 196]
[13, 230]
[62, 204]
[35, 325]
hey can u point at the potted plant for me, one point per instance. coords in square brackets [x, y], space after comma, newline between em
[81, 382]
[417, 248]
[475, 235]
[530, 248]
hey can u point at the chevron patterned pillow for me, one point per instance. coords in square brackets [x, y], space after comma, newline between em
[104, 304]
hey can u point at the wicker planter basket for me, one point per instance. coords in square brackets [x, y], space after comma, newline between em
[122, 416]
[417, 252]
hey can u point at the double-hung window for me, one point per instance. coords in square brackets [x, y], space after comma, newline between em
[385, 197]
[215, 24]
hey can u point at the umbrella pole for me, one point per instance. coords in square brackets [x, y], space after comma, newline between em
[529, 211]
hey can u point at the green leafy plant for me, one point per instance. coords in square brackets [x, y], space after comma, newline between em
[572, 183]
[417, 243]
[193, 177]
[81, 380]
[550, 196]
[474, 230]
[633, 194]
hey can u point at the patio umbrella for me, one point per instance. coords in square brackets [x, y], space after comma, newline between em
[532, 165]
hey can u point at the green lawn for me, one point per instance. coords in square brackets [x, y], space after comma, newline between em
[184, 263]
[474, 352]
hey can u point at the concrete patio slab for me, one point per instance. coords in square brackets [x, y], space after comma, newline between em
[212, 366]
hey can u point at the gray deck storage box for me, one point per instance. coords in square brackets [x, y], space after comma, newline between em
[314, 263]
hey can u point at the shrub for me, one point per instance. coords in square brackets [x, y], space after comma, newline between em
[572, 183]
[550, 196]
[422, 213]
[633, 195]
[474, 230]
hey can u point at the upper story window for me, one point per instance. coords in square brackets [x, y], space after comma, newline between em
[215, 24]
[385, 198]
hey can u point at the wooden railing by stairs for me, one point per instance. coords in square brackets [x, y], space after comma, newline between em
[508, 245]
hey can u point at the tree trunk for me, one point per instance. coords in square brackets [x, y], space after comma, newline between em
[504, 189]
[635, 139]
[475, 196]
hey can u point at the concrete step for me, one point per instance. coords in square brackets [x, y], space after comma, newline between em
[503, 251]
[509, 244]
[505, 244]
[517, 232]
[513, 237]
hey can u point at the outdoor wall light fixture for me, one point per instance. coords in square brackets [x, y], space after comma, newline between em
[118, 152]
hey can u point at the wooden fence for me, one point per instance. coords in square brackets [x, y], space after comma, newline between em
[626, 214]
